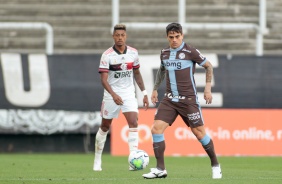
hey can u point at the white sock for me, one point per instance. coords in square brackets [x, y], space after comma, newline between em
[100, 140]
[133, 139]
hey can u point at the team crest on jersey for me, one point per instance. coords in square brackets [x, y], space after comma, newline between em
[181, 56]
[123, 66]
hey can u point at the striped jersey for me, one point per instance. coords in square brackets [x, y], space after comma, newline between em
[119, 67]
[180, 64]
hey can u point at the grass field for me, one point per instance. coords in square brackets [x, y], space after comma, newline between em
[77, 168]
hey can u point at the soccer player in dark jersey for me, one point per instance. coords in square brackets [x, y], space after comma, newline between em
[178, 63]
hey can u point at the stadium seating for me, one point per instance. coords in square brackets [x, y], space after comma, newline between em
[84, 26]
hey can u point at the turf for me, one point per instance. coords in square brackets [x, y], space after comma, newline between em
[77, 169]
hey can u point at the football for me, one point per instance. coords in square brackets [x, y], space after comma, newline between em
[138, 159]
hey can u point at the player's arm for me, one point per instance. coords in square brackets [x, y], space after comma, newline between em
[139, 80]
[159, 78]
[106, 85]
[209, 73]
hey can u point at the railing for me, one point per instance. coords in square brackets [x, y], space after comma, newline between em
[33, 25]
[260, 28]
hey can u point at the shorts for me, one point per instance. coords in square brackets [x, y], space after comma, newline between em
[188, 109]
[110, 109]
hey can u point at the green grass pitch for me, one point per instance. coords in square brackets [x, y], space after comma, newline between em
[77, 169]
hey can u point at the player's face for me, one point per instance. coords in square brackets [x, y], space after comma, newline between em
[119, 37]
[175, 39]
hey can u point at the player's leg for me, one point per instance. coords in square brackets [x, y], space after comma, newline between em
[158, 129]
[192, 116]
[109, 110]
[208, 145]
[130, 112]
[206, 142]
[100, 140]
[133, 137]
[164, 117]
[159, 142]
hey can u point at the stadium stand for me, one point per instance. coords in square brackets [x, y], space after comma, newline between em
[83, 27]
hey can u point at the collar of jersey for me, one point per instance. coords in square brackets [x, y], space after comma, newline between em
[124, 52]
[177, 49]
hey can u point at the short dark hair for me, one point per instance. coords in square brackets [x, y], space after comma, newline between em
[176, 27]
[119, 27]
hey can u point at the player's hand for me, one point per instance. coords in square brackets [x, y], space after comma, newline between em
[208, 97]
[117, 99]
[145, 102]
[154, 97]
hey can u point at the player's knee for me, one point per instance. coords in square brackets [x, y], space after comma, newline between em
[132, 124]
[154, 130]
[199, 132]
[105, 128]
[157, 128]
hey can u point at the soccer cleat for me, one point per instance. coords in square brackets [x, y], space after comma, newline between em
[155, 173]
[97, 165]
[216, 172]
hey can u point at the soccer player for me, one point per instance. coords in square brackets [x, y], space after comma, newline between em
[178, 66]
[119, 67]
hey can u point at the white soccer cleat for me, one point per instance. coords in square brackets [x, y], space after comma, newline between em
[97, 166]
[216, 172]
[155, 173]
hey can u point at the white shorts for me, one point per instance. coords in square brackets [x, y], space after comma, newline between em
[110, 109]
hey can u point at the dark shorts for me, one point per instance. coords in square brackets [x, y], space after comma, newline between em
[188, 109]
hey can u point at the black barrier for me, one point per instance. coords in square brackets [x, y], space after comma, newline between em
[244, 81]
[74, 84]
[250, 81]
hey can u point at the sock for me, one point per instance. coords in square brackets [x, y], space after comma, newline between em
[207, 144]
[100, 140]
[159, 148]
[133, 138]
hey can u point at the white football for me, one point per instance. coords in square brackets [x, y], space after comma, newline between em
[138, 159]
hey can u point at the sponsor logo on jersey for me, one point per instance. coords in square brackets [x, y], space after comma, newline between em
[195, 122]
[173, 64]
[171, 96]
[185, 50]
[201, 56]
[123, 74]
[194, 116]
[165, 50]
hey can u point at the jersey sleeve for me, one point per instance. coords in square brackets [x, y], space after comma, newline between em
[104, 64]
[198, 57]
[136, 63]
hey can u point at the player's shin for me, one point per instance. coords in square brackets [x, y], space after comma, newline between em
[207, 144]
[100, 140]
[133, 139]
[159, 149]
